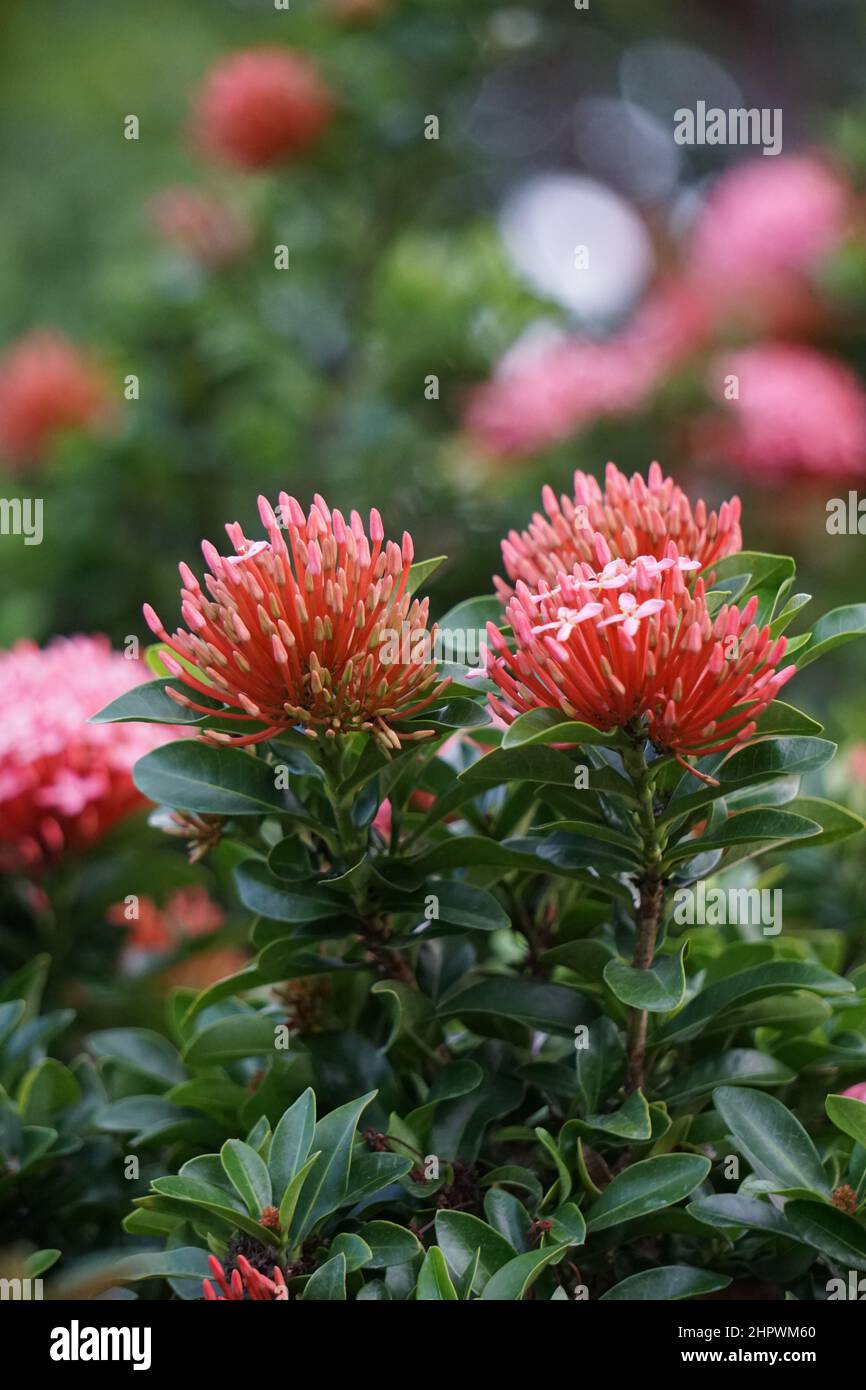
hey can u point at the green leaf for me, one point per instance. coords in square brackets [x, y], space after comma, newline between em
[600, 1064]
[289, 1199]
[666, 1284]
[511, 1282]
[194, 776]
[215, 1200]
[462, 905]
[232, 1038]
[835, 822]
[40, 1262]
[141, 1050]
[356, 1251]
[421, 571]
[269, 897]
[568, 1225]
[187, 1262]
[553, 1008]
[434, 1281]
[645, 1187]
[849, 1115]
[730, 1210]
[45, 1089]
[839, 1237]
[550, 726]
[764, 761]
[291, 1142]
[747, 827]
[329, 1179]
[328, 1284]
[780, 718]
[771, 1138]
[248, 1174]
[148, 703]
[838, 626]
[389, 1244]
[658, 990]
[741, 1066]
[632, 1121]
[461, 1237]
[736, 990]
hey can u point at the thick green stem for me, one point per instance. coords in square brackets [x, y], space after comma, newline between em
[651, 897]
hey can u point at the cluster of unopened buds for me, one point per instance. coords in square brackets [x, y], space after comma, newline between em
[244, 1282]
[630, 640]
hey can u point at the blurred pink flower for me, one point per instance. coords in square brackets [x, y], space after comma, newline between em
[857, 762]
[63, 782]
[798, 412]
[764, 230]
[201, 226]
[856, 1092]
[541, 395]
[47, 386]
[260, 107]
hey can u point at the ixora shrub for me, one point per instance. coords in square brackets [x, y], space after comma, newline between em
[522, 993]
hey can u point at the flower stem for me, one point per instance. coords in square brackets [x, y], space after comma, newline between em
[650, 884]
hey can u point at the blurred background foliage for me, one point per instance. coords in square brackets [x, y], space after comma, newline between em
[403, 265]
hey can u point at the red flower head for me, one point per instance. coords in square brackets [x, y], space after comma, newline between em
[200, 226]
[46, 386]
[260, 107]
[634, 517]
[245, 1282]
[629, 641]
[301, 633]
[63, 782]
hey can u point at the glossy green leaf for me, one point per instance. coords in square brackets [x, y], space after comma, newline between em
[771, 1139]
[248, 1174]
[194, 776]
[645, 1187]
[462, 1237]
[291, 1142]
[666, 1284]
[512, 1280]
[328, 1284]
[737, 990]
[836, 1235]
[849, 1115]
[434, 1281]
[658, 990]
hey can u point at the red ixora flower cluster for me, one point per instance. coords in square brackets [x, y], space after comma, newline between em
[296, 630]
[63, 782]
[634, 517]
[629, 641]
[260, 107]
[47, 386]
[245, 1282]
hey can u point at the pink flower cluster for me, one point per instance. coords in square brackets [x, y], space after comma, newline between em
[63, 782]
[531, 403]
[796, 411]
